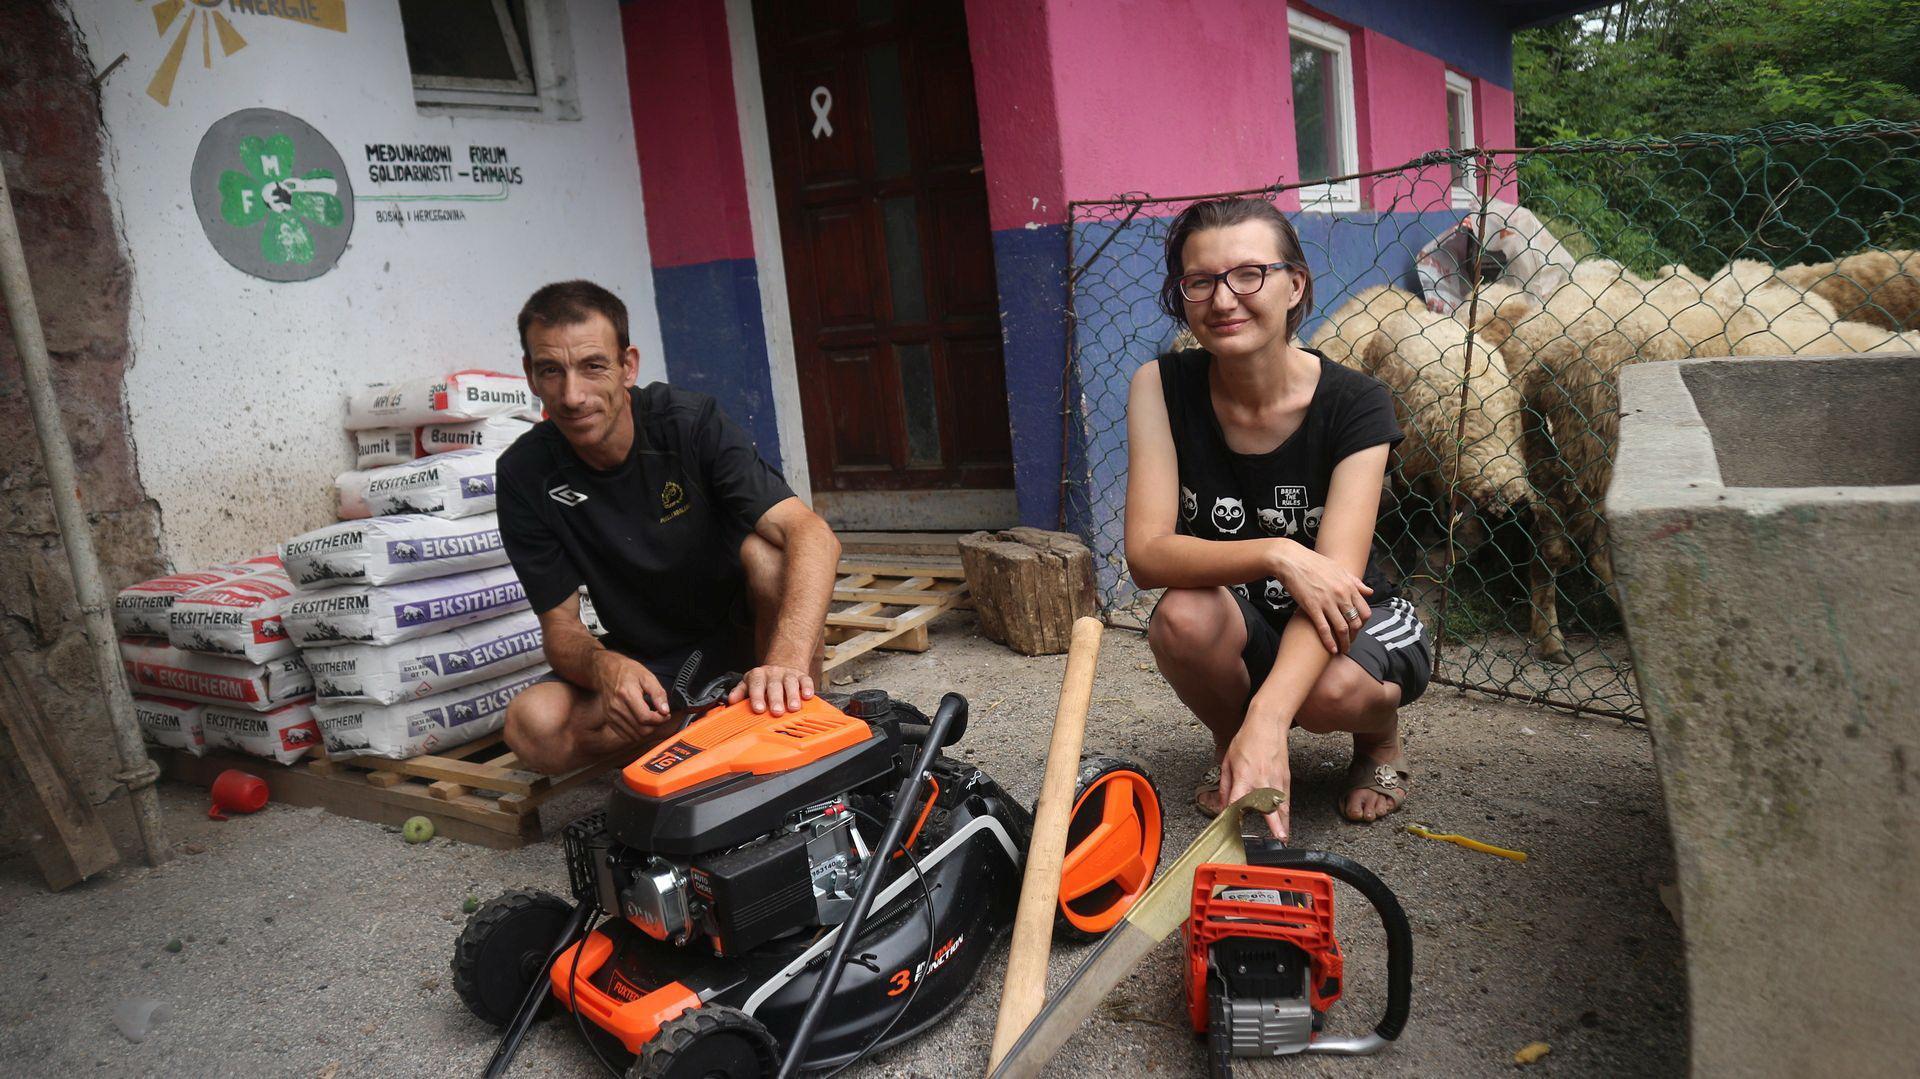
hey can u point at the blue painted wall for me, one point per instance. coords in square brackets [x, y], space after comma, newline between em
[716, 342]
[1030, 269]
[1467, 34]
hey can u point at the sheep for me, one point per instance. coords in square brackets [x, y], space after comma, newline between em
[1880, 288]
[1423, 358]
[1565, 356]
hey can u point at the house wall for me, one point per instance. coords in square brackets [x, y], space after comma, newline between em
[236, 385]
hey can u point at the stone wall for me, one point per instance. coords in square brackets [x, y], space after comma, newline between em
[50, 144]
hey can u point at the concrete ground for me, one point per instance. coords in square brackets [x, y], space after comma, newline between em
[317, 946]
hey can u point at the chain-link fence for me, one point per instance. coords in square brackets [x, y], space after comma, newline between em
[1498, 293]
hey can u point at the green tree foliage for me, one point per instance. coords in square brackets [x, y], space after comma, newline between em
[1671, 68]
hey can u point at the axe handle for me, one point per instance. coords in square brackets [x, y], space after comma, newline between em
[1026, 984]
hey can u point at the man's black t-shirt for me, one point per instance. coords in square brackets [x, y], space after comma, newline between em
[657, 539]
[1231, 496]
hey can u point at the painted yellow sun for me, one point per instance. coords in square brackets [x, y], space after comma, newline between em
[206, 14]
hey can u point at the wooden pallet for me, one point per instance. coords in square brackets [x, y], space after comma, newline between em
[887, 605]
[475, 793]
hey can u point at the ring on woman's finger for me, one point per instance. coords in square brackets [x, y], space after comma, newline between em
[1351, 615]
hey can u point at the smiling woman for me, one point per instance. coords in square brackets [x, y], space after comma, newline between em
[1254, 475]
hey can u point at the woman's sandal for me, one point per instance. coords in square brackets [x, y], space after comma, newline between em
[1383, 779]
[1206, 796]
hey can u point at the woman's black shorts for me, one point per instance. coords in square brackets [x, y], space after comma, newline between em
[1394, 646]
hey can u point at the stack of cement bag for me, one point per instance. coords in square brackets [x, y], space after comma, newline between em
[210, 663]
[396, 422]
[413, 626]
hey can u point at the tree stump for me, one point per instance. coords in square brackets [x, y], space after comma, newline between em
[1028, 586]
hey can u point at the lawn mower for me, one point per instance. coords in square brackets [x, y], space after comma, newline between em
[740, 862]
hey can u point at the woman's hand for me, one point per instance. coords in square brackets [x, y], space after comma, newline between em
[1331, 599]
[1257, 758]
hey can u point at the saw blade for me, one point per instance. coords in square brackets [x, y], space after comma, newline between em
[1164, 907]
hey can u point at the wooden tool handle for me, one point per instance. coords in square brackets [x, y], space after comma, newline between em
[1026, 985]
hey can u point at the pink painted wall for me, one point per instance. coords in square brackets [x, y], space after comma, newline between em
[1493, 127]
[1172, 97]
[1019, 123]
[680, 72]
[1401, 110]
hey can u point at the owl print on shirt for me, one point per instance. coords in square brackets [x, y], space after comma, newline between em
[1228, 514]
[1189, 505]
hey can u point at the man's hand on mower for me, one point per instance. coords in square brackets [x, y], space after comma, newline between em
[773, 688]
[636, 702]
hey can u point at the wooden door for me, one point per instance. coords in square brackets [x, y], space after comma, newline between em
[889, 258]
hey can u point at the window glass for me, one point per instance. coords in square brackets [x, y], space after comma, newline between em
[1315, 132]
[886, 104]
[920, 409]
[903, 259]
[462, 39]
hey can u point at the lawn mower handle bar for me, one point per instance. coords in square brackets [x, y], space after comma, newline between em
[1393, 918]
[952, 711]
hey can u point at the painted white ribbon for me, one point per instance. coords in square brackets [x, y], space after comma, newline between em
[822, 100]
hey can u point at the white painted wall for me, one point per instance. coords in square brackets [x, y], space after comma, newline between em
[237, 386]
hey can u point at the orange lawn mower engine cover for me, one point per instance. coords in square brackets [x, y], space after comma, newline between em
[729, 855]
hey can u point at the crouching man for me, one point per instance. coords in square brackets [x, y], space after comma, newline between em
[685, 539]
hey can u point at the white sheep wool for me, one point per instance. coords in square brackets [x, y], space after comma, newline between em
[283, 734]
[384, 550]
[462, 395]
[157, 668]
[428, 725]
[388, 674]
[239, 618]
[389, 613]
[171, 723]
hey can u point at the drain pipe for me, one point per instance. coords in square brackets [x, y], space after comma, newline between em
[137, 770]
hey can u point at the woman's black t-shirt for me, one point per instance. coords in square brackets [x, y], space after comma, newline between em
[1231, 496]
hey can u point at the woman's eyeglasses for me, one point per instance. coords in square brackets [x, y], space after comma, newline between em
[1241, 281]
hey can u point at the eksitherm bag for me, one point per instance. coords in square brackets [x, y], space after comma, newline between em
[388, 613]
[454, 484]
[462, 395]
[283, 734]
[171, 723]
[157, 668]
[239, 618]
[428, 725]
[140, 610]
[350, 495]
[383, 550]
[407, 671]
[378, 446]
[495, 433]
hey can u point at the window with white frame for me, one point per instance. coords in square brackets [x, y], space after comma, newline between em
[1324, 139]
[1460, 137]
[489, 54]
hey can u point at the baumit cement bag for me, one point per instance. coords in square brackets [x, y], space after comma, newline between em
[239, 618]
[156, 668]
[419, 668]
[283, 734]
[385, 614]
[383, 550]
[495, 433]
[462, 395]
[455, 484]
[428, 725]
[140, 610]
[174, 724]
[378, 446]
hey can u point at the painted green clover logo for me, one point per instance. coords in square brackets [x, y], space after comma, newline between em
[269, 191]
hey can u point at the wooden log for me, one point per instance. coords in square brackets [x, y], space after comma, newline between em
[1028, 586]
[69, 842]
